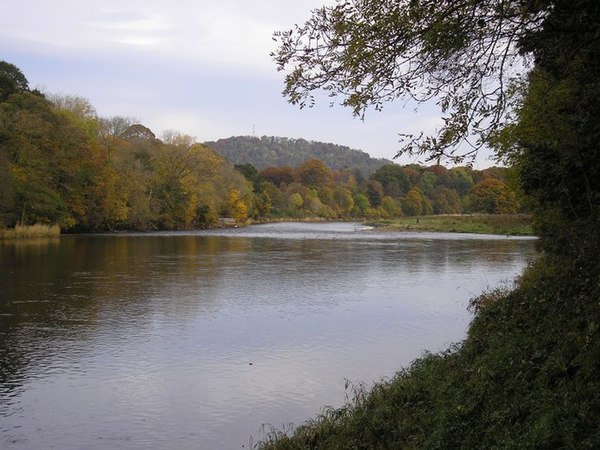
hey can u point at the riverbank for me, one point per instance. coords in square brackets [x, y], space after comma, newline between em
[527, 376]
[30, 231]
[505, 224]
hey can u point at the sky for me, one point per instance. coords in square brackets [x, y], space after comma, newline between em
[198, 67]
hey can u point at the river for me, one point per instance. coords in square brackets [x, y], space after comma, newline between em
[194, 340]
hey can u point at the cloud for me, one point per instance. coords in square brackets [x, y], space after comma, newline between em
[202, 68]
[225, 33]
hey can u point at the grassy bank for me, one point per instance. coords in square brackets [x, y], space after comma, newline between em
[507, 224]
[527, 376]
[30, 231]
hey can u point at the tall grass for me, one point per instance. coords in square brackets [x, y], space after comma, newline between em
[506, 224]
[30, 231]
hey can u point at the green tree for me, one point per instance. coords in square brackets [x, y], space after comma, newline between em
[427, 182]
[460, 179]
[361, 205]
[295, 201]
[313, 204]
[252, 175]
[12, 80]
[522, 75]
[277, 199]
[7, 195]
[263, 204]
[555, 141]
[394, 180]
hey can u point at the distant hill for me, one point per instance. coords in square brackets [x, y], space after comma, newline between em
[280, 151]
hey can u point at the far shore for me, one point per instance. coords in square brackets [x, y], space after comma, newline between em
[504, 224]
[501, 224]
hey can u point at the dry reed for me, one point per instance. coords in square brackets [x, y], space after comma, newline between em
[30, 231]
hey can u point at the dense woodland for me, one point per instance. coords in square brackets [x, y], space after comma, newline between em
[272, 151]
[62, 164]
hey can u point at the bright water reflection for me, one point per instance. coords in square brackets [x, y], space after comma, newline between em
[193, 340]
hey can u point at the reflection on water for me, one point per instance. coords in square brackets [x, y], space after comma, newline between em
[193, 340]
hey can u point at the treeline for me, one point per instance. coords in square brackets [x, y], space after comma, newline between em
[268, 151]
[312, 189]
[60, 163]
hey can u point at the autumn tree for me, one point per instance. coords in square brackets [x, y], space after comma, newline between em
[446, 201]
[116, 126]
[391, 207]
[375, 193]
[295, 201]
[314, 173]
[47, 161]
[415, 203]
[343, 201]
[191, 177]
[111, 131]
[236, 207]
[493, 196]
[138, 132]
[279, 176]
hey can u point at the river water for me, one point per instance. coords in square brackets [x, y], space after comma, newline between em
[194, 340]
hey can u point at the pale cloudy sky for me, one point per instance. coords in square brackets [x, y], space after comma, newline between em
[199, 67]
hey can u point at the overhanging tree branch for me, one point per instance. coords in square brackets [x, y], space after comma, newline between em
[463, 54]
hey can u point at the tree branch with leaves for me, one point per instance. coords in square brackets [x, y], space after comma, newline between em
[462, 54]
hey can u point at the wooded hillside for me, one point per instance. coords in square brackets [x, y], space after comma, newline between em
[281, 151]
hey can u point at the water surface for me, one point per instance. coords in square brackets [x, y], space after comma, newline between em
[193, 340]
